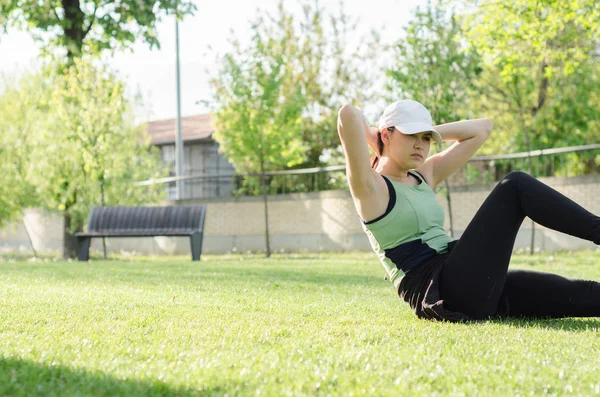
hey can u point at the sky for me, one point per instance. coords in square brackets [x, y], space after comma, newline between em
[153, 72]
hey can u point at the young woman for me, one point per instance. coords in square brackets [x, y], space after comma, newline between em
[468, 278]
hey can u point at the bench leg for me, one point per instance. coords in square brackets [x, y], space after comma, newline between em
[83, 249]
[196, 243]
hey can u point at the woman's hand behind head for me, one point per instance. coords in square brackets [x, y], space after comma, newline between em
[372, 139]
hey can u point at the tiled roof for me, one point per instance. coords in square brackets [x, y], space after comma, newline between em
[192, 128]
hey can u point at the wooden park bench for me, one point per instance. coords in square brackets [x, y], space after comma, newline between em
[184, 220]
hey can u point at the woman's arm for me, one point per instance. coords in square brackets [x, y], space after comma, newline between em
[371, 134]
[469, 136]
[353, 130]
[465, 129]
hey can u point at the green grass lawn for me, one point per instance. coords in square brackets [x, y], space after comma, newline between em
[289, 325]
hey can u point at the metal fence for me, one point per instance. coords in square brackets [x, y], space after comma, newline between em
[561, 162]
[567, 161]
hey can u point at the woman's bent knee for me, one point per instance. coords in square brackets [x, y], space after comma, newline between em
[516, 175]
[515, 178]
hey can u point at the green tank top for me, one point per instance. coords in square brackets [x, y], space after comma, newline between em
[415, 215]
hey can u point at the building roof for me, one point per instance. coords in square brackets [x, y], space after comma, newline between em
[193, 128]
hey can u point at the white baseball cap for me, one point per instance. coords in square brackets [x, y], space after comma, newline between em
[409, 117]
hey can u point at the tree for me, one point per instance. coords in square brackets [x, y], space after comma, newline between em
[532, 52]
[329, 75]
[259, 113]
[21, 115]
[571, 118]
[90, 26]
[88, 152]
[433, 66]
[309, 75]
[258, 109]
[536, 54]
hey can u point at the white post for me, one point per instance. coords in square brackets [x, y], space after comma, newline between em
[179, 141]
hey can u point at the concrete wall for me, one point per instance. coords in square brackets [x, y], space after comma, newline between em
[585, 190]
[323, 221]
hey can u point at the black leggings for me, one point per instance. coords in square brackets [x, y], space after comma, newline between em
[475, 278]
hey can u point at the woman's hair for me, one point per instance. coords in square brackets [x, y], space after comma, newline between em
[375, 157]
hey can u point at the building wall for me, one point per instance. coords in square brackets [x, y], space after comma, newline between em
[322, 221]
[200, 158]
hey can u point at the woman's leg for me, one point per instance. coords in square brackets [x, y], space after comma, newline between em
[537, 294]
[474, 275]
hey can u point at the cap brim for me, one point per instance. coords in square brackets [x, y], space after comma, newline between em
[415, 128]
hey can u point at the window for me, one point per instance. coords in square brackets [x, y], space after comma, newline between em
[168, 155]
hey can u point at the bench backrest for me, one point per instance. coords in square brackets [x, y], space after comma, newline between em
[185, 218]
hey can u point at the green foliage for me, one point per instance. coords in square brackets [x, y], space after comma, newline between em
[572, 116]
[89, 150]
[282, 184]
[69, 143]
[90, 26]
[527, 65]
[21, 117]
[540, 76]
[276, 101]
[330, 75]
[432, 65]
[259, 116]
[296, 324]
[478, 172]
[554, 35]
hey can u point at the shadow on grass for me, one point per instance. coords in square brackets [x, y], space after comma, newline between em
[563, 324]
[25, 378]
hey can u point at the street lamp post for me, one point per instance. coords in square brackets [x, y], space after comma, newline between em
[179, 140]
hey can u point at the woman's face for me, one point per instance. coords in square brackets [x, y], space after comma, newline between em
[408, 151]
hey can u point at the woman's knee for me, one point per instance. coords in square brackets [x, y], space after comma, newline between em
[516, 176]
[515, 179]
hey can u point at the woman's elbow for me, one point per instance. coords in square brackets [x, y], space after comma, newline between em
[488, 128]
[345, 115]
[345, 111]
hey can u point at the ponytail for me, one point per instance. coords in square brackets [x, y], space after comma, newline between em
[375, 157]
[374, 161]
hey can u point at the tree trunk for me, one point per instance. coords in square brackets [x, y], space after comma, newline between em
[264, 190]
[103, 205]
[73, 27]
[543, 89]
[530, 163]
[69, 240]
